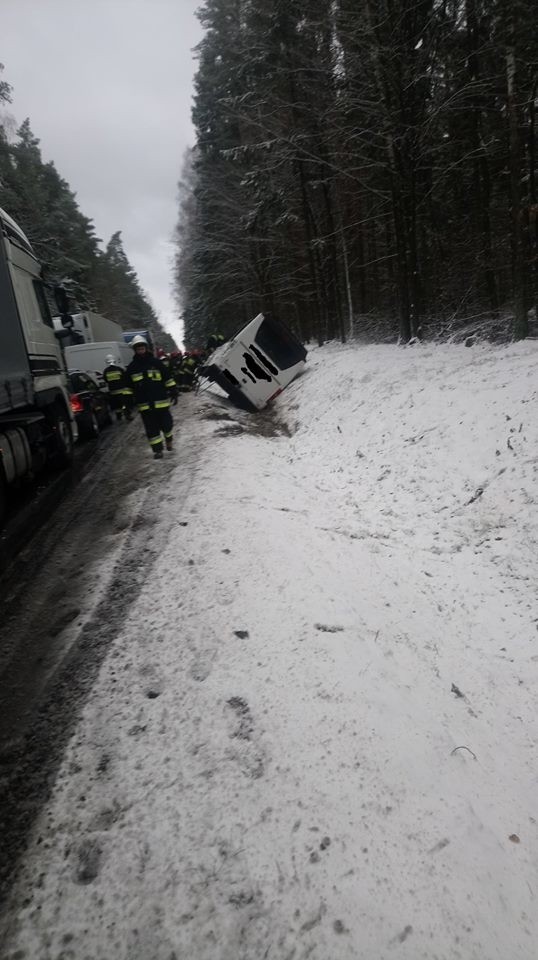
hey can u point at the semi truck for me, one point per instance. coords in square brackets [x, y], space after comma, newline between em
[89, 327]
[257, 363]
[37, 426]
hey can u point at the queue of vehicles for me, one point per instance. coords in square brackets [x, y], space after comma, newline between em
[43, 407]
[89, 400]
[51, 387]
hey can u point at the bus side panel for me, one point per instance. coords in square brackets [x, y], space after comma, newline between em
[232, 365]
[281, 376]
[260, 361]
[286, 376]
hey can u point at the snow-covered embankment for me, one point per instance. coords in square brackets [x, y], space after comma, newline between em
[319, 722]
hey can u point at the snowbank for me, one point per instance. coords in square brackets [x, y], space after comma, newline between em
[316, 734]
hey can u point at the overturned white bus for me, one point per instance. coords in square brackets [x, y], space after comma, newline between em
[257, 363]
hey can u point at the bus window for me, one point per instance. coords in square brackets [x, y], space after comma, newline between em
[279, 344]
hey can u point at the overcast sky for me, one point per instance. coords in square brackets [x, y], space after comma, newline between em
[108, 87]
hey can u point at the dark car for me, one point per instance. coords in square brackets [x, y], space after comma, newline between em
[89, 403]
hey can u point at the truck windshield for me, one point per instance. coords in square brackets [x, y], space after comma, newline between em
[279, 344]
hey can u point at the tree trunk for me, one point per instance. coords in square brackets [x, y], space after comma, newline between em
[533, 213]
[347, 281]
[310, 257]
[521, 323]
[402, 273]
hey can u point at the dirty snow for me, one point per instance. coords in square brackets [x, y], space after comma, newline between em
[315, 735]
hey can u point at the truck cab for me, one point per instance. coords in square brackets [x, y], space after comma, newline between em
[41, 344]
[36, 421]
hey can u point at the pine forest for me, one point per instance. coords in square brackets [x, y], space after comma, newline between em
[34, 194]
[362, 165]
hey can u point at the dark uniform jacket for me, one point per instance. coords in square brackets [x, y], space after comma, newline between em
[116, 380]
[151, 383]
[215, 340]
[185, 376]
[175, 364]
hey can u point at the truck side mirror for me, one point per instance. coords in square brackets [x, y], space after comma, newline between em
[61, 334]
[62, 300]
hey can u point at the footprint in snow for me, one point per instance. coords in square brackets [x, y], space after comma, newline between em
[245, 751]
[89, 862]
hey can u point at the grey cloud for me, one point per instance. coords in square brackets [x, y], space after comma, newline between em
[107, 85]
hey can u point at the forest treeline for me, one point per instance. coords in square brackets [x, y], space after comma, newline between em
[361, 160]
[43, 204]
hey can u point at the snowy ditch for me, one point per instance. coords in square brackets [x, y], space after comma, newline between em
[315, 732]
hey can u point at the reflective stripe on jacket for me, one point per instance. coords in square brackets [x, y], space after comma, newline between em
[150, 382]
[116, 380]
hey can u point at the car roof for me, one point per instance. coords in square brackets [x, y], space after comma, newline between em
[85, 373]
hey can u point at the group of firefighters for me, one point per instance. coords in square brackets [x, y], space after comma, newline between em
[151, 383]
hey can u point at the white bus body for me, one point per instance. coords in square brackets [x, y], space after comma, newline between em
[257, 363]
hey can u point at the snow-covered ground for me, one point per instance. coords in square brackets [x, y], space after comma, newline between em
[316, 734]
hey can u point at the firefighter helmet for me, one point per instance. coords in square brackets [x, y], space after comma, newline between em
[110, 360]
[136, 341]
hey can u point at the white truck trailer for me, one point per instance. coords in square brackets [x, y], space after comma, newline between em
[92, 327]
[36, 422]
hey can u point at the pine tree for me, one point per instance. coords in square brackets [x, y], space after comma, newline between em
[358, 159]
[41, 201]
[120, 297]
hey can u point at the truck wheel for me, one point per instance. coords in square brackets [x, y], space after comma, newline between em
[63, 436]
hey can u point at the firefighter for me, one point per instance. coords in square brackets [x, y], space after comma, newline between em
[154, 390]
[214, 341]
[163, 357]
[198, 357]
[185, 376]
[120, 394]
[176, 359]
